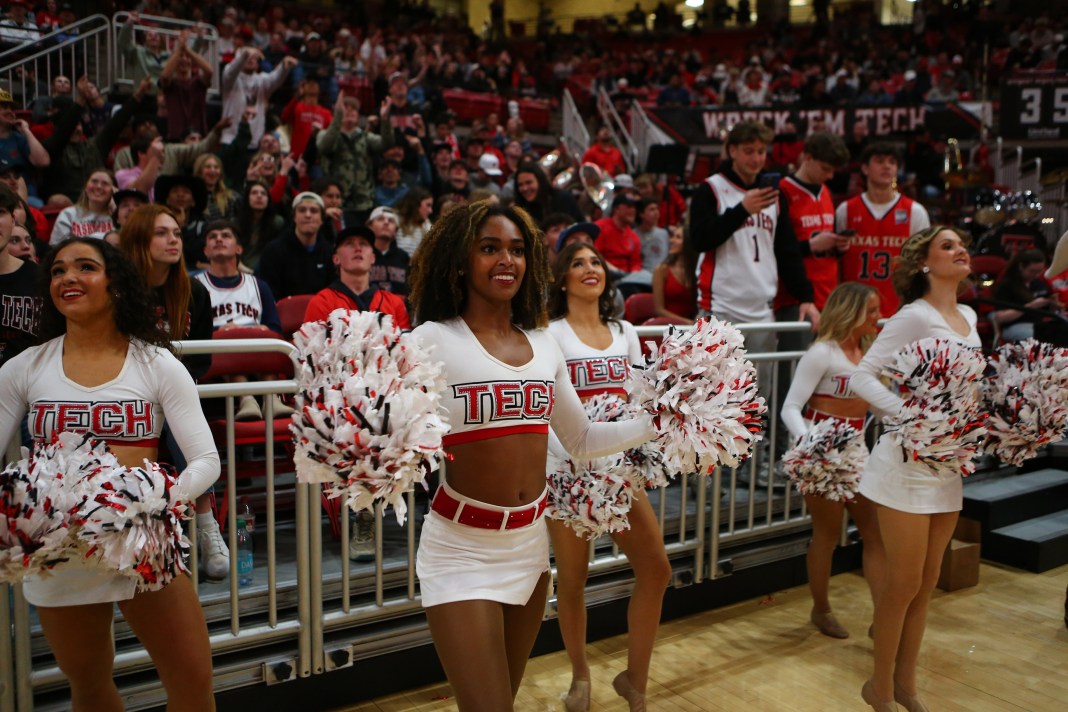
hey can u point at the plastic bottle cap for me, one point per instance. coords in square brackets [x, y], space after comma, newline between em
[240, 522]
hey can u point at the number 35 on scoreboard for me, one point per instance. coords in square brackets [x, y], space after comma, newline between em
[1035, 107]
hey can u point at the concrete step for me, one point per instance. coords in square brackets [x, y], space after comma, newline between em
[1038, 544]
[1000, 501]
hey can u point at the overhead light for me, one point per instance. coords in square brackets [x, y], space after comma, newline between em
[695, 3]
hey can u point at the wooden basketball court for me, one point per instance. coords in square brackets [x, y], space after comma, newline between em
[1001, 646]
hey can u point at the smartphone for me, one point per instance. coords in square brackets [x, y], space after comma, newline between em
[769, 180]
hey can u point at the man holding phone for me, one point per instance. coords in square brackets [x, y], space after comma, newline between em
[745, 244]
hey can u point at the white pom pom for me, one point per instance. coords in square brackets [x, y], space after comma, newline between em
[131, 522]
[827, 460]
[590, 501]
[702, 393]
[1027, 396]
[941, 423]
[368, 421]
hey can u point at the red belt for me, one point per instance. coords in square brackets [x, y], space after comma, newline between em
[817, 415]
[483, 518]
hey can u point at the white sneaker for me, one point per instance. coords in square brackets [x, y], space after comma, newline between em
[249, 410]
[281, 410]
[362, 541]
[214, 556]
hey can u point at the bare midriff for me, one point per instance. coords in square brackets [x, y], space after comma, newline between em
[132, 455]
[842, 407]
[508, 471]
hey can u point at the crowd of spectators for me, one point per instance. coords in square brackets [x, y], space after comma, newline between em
[328, 151]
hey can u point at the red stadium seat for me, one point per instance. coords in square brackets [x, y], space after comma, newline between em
[291, 313]
[638, 308]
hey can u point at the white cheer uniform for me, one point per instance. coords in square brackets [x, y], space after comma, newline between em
[487, 398]
[595, 371]
[890, 478]
[127, 410]
[824, 370]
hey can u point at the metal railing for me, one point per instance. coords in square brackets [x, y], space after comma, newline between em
[620, 133]
[81, 48]
[576, 135]
[169, 29]
[311, 612]
[1018, 175]
[645, 134]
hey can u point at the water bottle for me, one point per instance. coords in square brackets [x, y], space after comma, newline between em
[246, 512]
[244, 554]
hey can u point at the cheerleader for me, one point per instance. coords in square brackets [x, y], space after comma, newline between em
[917, 509]
[478, 282]
[106, 370]
[599, 350]
[821, 385]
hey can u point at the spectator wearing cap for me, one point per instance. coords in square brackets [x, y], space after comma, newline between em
[126, 201]
[18, 145]
[346, 151]
[299, 262]
[583, 232]
[352, 289]
[304, 116]
[18, 25]
[604, 153]
[315, 63]
[909, 93]
[244, 85]
[618, 243]
[390, 271]
[488, 173]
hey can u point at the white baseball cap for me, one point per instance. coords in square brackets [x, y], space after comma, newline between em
[488, 164]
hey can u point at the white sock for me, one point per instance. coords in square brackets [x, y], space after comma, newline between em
[205, 518]
[1060, 257]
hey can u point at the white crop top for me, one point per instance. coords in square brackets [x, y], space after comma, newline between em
[824, 370]
[487, 398]
[594, 371]
[914, 321]
[128, 410]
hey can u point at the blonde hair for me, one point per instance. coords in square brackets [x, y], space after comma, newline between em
[845, 310]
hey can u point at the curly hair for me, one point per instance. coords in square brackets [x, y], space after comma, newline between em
[438, 288]
[558, 306]
[135, 241]
[131, 296]
[907, 277]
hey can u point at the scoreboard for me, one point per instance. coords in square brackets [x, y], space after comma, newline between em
[1035, 106]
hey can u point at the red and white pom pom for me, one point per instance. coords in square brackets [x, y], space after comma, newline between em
[827, 460]
[131, 522]
[1027, 397]
[590, 498]
[368, 421]
[644, 465]
[42, 496]
[702, 394]
[942, 422]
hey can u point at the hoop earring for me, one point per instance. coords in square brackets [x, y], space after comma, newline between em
[460, 272]
[926, 269]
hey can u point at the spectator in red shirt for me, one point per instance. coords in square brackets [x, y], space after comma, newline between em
[605, 154]
[618, 243]
[304, 115]
[352, 290]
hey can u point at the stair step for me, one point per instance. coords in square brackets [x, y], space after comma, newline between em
[1038, 544]
[1000, 501]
